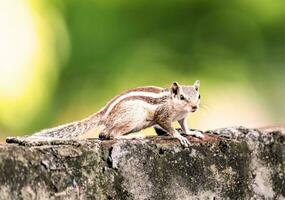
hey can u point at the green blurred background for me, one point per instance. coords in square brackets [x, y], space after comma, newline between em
[62, 60]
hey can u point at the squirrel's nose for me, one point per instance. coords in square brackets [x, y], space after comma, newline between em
[194, 108]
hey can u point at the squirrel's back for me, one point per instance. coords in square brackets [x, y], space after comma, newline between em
[78, 128]
[75, 129]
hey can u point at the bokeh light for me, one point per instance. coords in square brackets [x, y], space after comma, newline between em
[28, 60]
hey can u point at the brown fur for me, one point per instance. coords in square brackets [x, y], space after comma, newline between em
[130, 115]
[150, 100]
[140, 89]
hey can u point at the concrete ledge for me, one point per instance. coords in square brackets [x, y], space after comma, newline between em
[230, 163]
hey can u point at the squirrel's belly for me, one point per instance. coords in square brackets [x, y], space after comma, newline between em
[138, 114]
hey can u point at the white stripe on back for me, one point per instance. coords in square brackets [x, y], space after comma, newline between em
[132, 94]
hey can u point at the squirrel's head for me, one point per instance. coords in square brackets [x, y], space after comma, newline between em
[186, 97]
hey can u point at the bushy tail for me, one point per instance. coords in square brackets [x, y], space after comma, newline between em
[66, 131]
[71, 130]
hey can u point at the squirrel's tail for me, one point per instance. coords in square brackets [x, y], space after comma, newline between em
[66, 131]
[70, 130]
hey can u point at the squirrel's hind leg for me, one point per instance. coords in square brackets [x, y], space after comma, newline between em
[104, 134]
[107, 133]
[116, 132]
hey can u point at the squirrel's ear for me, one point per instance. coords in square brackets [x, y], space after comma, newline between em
[197, 85]
[175, 87]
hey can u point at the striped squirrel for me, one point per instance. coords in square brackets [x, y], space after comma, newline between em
[137, 109]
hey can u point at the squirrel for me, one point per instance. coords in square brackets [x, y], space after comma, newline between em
[137, 109]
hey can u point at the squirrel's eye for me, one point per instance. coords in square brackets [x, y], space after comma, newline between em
[182, 97]
[199, 96]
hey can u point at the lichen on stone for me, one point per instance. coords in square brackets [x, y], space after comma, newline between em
[230, 163]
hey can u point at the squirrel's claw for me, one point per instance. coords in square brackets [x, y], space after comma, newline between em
[195, 133]
[184, 141]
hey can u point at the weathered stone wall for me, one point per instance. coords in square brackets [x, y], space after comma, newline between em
[232, 163]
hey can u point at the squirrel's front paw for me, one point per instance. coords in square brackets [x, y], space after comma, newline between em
[195, 133]
[184, 141]
[199, 135]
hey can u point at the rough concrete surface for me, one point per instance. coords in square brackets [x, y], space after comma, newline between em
[230, 163]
